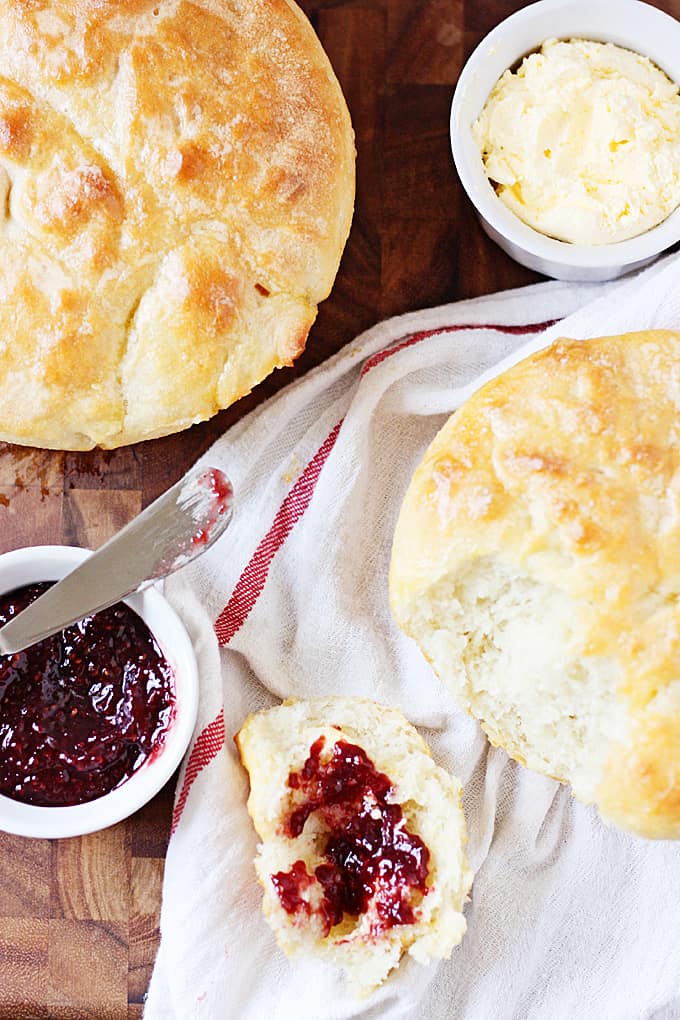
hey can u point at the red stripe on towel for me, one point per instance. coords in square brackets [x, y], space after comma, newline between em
[208, 743]
[252, 580]
[246, 593]
[425, 334]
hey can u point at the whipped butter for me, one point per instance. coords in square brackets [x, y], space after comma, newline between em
[582, 142]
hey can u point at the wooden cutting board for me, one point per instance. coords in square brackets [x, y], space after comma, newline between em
[79, 918]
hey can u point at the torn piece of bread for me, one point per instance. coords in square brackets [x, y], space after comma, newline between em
[536, 562]
[362, 853]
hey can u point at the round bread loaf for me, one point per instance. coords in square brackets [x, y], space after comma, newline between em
[536, 562]
[176, 189]
[353, 837]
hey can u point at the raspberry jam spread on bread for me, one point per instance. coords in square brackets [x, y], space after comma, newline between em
[82, 710]
[373, 863]
[361, 854]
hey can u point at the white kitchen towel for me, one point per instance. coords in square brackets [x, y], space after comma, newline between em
[569, 918]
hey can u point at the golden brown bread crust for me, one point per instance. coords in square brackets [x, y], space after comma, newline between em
[176, 188]
[567, 469]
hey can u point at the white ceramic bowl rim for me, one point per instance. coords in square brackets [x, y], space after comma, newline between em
[49, 563]
[629, 23]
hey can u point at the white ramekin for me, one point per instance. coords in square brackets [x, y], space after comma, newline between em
[629, 23]
[49, 563]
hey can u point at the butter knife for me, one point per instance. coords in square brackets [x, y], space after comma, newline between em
[173, 530]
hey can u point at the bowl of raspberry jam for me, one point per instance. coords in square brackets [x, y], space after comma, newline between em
[94, 720]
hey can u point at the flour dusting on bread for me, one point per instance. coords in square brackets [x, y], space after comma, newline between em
[176, 189]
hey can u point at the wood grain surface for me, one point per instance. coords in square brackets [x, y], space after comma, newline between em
[79, 918]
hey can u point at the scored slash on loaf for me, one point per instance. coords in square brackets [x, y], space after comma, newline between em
[536, 562]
